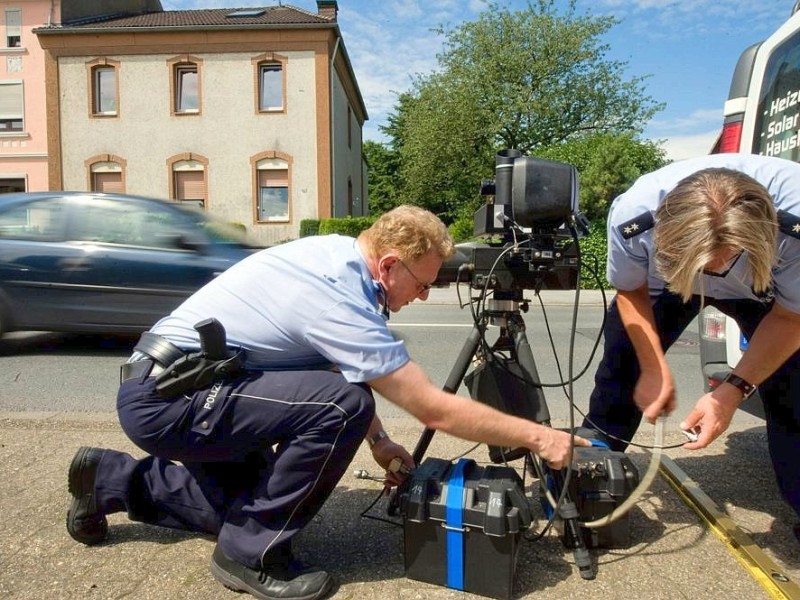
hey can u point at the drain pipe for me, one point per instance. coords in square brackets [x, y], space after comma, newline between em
[333, 125]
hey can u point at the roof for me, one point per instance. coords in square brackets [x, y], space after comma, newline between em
[281, 16]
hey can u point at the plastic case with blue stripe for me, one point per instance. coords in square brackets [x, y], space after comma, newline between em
[462, 525]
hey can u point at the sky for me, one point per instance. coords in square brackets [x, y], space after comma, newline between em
[687, 50]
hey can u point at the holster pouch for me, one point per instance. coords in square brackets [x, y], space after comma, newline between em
[197, 370]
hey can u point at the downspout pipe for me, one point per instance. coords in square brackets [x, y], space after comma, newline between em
[333, 125]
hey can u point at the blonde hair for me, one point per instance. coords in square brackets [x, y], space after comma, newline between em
[410, 231]
[710, 211]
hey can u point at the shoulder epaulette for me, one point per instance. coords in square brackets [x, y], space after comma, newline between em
[637, 225]
[789, 224]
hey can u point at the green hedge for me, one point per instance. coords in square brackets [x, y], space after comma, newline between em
[350, 226]
[309, 227]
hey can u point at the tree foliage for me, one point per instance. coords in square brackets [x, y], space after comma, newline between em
[608, 164]
[528, 79]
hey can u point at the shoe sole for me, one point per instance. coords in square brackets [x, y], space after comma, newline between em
[76, 486]
[237, 585]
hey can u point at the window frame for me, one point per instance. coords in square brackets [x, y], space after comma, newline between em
[178, 65]
[106, 163]
[94, 68]
[13, 28]
[266, 161]
[183, 163]
[18, 109]
[260, 64]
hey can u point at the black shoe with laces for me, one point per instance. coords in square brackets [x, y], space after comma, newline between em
[85, 523]
[283, 579]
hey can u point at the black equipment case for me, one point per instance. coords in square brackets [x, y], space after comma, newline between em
[463, 524]
[601, 480]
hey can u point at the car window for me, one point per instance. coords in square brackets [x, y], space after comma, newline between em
[779, 105]
[40, 220]
[114, 221]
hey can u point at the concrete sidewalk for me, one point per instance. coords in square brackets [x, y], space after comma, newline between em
[673, 555]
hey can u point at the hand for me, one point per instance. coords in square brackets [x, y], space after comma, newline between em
[654, 394]
[711, 415]
[555, 447]
[384, 452]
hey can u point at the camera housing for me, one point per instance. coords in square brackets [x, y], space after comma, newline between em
[529, 225]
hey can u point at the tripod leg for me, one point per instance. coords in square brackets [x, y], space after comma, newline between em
[454, 380]
[567, 509]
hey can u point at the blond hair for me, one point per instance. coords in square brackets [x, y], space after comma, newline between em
[410, 231]
[710, 211]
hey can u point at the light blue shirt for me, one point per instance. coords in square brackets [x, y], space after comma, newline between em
[306, 304]
[630, 261]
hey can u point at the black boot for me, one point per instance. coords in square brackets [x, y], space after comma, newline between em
[281, 578]
[85, 523]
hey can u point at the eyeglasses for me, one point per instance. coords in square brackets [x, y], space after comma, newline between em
[423, 287]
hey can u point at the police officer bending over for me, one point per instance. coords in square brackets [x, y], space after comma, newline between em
[265, 426]
[723, 230]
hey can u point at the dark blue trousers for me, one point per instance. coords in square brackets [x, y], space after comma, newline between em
[611, 406]
[256, 457]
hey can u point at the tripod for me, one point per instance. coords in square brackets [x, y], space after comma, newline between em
[511, 386]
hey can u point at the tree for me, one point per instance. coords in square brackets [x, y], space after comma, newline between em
[383, 177]
[608, 164]
[527, 79]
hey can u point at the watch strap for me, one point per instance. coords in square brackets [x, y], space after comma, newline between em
[377, 437]
[741, 384]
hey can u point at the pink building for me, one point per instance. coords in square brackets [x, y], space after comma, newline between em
[23, 122]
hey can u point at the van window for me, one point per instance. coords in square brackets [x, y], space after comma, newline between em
[777, 126]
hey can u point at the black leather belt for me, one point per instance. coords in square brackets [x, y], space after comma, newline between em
[139, 370]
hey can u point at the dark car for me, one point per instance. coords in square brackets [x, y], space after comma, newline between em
[104, 263]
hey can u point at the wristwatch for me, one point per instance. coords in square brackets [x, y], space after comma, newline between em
[742, 385]
[374, 439]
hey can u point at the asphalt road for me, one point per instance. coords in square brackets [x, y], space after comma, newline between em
[45, 372]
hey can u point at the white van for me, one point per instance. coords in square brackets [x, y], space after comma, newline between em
[762, 116]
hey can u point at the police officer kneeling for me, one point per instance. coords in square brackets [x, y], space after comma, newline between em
[266, 425]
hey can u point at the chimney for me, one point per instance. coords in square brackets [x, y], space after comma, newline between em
[328, 9]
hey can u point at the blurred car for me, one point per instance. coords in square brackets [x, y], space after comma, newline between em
[104, 263]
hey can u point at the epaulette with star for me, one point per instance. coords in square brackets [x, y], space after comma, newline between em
[789, 224]
[637, 225]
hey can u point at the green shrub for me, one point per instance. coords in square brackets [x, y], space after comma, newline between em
[309, 227]
[350, 226]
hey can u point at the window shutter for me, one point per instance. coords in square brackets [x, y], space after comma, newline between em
[190, 185]
[110, 183]
[11, 101]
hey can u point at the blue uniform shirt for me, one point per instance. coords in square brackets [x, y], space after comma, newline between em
[630, 234]
[307, 304]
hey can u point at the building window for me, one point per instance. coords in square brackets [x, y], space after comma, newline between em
[11, 107]
[271, 88]
[189, 180]
[107, 177]
[186, 99]
[10, 185]
[349, 127]
[13, 28]
[272, 175]
[185, 85]
[104, 87]
[270, 73]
